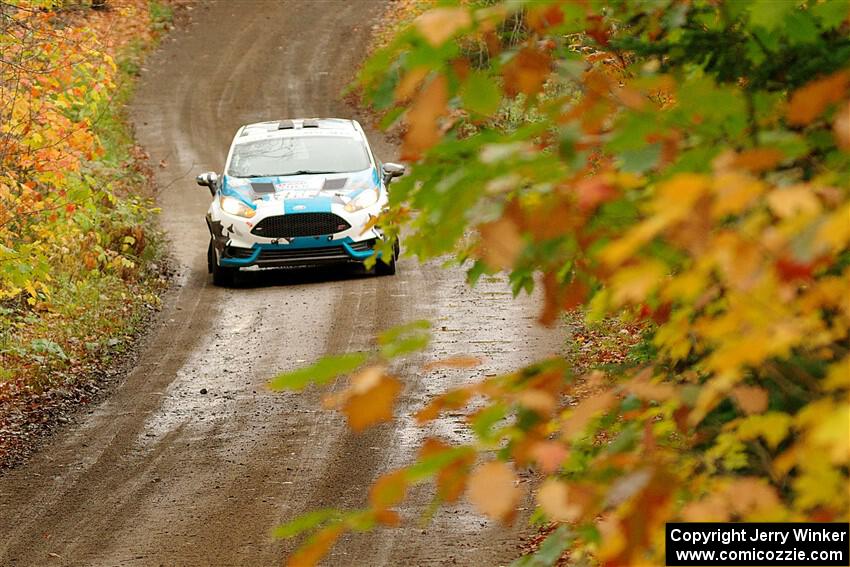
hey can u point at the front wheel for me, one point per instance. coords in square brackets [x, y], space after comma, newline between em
[221, 276]
[384, 269]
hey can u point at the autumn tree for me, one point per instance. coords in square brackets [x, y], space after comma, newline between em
[76, 240]
[682, 165]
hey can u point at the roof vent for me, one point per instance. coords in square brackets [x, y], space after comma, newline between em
[311, 123]
[285, 125]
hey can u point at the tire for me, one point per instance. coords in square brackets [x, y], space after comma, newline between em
[221, 276]
[384, 269]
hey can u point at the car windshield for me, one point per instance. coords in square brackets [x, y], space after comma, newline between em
[296, 155]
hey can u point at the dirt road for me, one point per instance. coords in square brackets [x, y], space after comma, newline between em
[161, 474]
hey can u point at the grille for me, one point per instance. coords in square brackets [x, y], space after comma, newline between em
[304, 254]
[300, 224]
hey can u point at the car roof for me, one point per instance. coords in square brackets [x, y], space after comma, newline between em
[298, 127]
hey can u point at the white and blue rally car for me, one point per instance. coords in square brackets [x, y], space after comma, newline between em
[297, 193]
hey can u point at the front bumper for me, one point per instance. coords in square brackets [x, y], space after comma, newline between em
[271, 239]
[283, 255]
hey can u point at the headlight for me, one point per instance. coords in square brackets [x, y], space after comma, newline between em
[364, 199]
[234, 206]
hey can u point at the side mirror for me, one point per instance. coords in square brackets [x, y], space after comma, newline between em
[208, 179]
[392, 170]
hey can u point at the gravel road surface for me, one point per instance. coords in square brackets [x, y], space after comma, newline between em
[162, 474]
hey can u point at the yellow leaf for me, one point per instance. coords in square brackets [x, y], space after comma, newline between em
[493, 491]
[834, 233]
[772, 427]
[635, 284]
[787, 202]
[677, 196]
[827, 428]
[819, 484]
[838, 375]
[735, 193]
[625, 247]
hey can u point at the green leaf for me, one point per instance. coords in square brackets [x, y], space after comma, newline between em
[480, 94]
[306, 522]
[832, 13]
[641, 160]
[770, 14]
[483, 422]
[550, 550]
[405, 339]
[321, 372]
[800, 28]
[427, 467]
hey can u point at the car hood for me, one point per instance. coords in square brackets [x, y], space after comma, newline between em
[335, 187]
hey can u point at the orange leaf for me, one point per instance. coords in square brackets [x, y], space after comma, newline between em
[809, 101]
[316, 548]
[557, 298]
[586, 410]
[373, 406]
[758, 159]
[460, 361]
[841, 127]
[388, 490]
[643, 388]
[549, 455]
[450, 400]
[592, 192]
[439, 24]
[537, 401]
[369, 399]
[526, 72]
[410, 83]
[501, 243]
[751, 399]
[451, 479]
[387, 517]
[540, 18]
[554, 499]
[422, 119]
[493, 491]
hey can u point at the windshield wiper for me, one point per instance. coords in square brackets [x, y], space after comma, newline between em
[305, 171]
[299, 172]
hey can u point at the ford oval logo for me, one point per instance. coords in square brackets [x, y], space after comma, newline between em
[299, 207]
